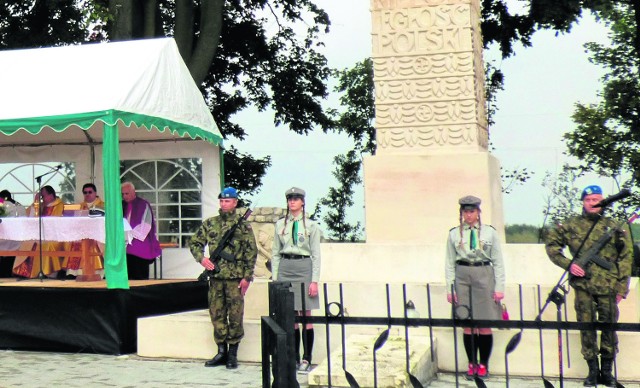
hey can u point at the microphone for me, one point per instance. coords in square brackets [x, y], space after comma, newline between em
[624, 193]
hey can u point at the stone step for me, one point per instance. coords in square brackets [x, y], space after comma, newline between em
[525, 359]
[190, 335]
[391, 368]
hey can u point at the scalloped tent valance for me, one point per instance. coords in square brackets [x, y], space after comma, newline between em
[102, 94]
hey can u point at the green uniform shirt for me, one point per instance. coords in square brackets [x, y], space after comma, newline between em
[308, 244]
[489, 248]
[243, 247]
[599, 281]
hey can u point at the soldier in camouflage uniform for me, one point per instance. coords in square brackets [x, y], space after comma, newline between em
[597, 290]
[227, 287]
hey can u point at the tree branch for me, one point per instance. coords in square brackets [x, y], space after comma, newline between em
[207, 44]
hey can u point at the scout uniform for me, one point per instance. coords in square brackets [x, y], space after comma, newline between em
[296, 259]
[475, 265]
[474, 271]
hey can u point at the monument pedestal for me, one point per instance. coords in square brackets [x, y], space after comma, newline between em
[413, 198]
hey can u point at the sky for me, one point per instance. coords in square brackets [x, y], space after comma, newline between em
[542, 84]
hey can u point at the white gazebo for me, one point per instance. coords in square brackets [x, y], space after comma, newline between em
[97, 104]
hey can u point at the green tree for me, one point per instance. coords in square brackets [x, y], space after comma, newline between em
[232, 51]
[608, 133]
[357, 99]
[563, 198]
[522, 234]
[340, 199]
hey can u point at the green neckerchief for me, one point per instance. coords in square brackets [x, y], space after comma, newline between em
[294, 232]
[473, 239]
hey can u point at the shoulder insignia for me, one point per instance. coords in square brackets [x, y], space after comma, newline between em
[455, 227]
[491, 226]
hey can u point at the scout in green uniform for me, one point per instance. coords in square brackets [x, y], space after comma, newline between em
[227, 287]
[597, 290]
[296, 259]
[474, 268]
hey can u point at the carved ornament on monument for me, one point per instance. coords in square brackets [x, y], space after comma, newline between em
[428, 74]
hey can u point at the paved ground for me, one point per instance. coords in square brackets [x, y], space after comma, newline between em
[38, 369]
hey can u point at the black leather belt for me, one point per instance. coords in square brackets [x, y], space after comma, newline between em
[473, 264]
[293, 257]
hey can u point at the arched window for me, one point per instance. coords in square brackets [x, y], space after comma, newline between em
[173, 187]
[20, 180]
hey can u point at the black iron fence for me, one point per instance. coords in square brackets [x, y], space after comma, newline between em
[278, 353]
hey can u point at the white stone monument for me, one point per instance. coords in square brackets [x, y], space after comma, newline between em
[431, 124]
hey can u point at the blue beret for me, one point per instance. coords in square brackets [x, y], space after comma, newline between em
[228, 192]
[593, 189]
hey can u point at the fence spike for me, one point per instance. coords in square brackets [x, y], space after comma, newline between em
[350, 379]
[479, 382]
[513, 342]
[381, 340]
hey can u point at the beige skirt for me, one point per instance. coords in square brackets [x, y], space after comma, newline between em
[299, 273]
[474, 288]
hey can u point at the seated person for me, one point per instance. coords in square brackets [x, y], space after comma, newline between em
[12, 209]
[72, 264]
[29, 266]
[91, 198]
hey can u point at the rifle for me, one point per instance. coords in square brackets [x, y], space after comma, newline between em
[591, 256]
[219, 252]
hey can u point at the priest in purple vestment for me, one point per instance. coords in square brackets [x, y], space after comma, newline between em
[144, 247]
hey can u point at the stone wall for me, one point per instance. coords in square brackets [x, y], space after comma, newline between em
[263, 220]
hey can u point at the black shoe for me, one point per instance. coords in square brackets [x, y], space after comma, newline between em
[592, 377]
[606, 376]
[220, 358]
[232, 360]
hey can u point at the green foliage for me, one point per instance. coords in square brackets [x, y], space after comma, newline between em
[340, 199]
[357, 89]
[607, 136]
[635, 232]
[358, 98]
[246, 62]
[513, 178]
[29, 24]
[563, 197]
[247, 172]
[522, 234]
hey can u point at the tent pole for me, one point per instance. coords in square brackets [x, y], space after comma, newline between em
[115, 260]
[221, 156]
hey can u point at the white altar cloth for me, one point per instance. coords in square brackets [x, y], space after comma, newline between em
[55, 228]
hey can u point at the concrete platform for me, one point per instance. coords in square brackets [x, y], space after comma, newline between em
[190, 335]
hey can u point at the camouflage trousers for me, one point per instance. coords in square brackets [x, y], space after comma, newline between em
[597, 308]
[226, 309]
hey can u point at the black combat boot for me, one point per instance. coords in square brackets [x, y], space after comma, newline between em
[592, 377]
[220, 358]
[606, 377]
[232, 360]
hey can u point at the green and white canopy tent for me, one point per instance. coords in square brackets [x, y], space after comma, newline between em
[91, 104]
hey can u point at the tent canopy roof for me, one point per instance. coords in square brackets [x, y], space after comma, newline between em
[142, 83]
